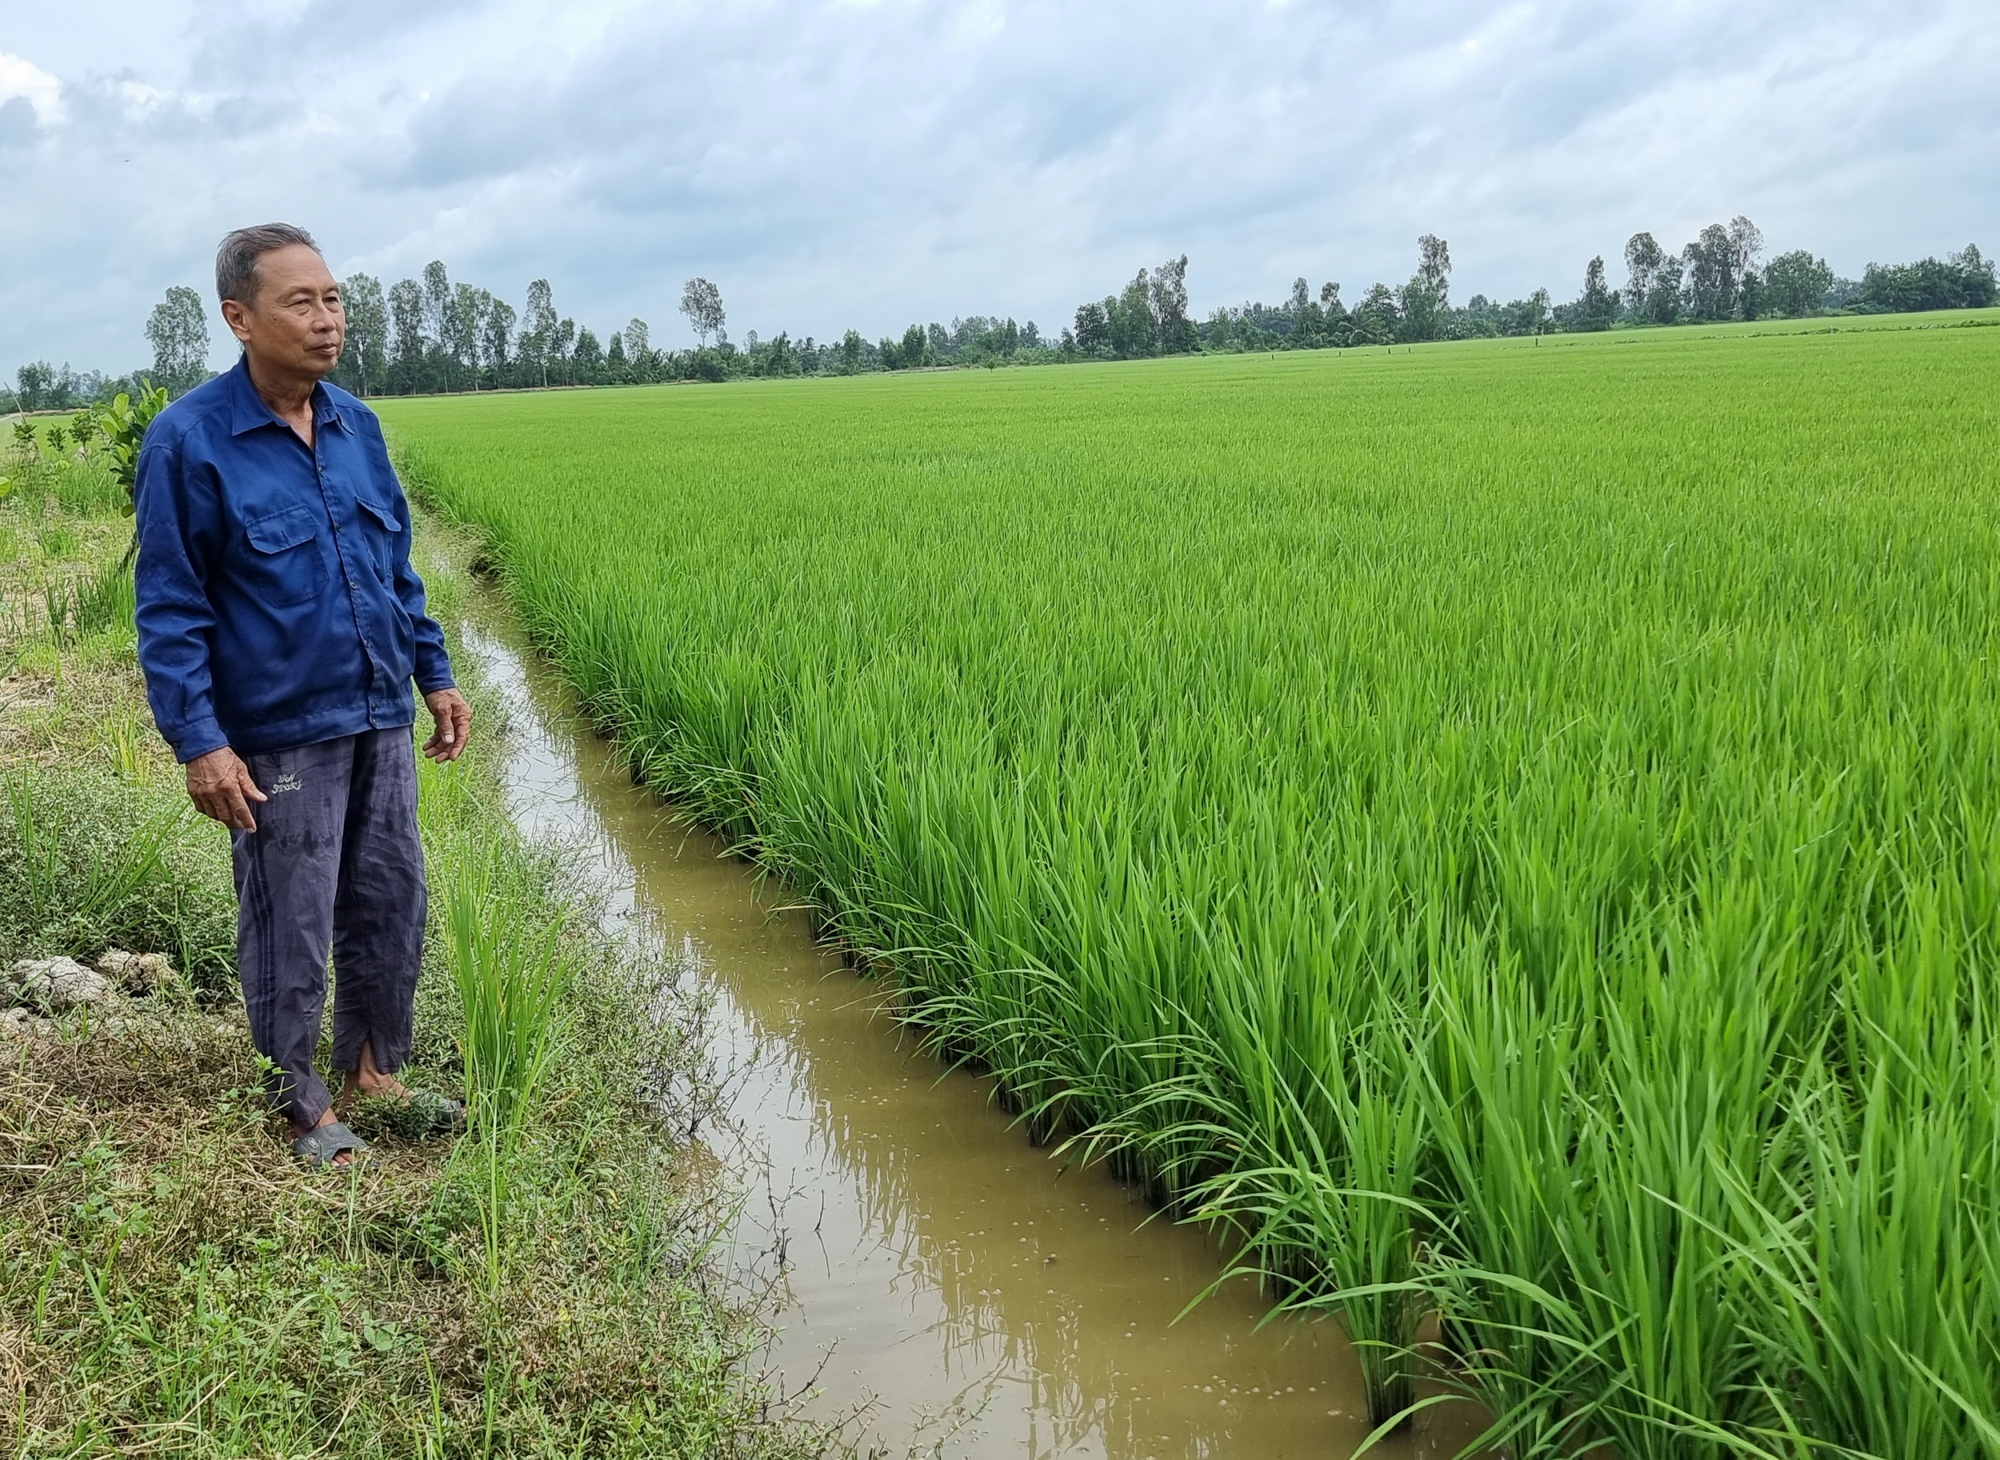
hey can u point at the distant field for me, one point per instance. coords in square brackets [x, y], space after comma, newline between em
[1515, 827]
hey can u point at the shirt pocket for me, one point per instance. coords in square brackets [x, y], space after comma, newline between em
[385, 538]
[284, 564]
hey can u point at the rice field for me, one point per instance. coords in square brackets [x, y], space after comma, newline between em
[1513, 829]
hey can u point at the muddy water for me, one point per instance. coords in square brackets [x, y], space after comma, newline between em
[958, 1291]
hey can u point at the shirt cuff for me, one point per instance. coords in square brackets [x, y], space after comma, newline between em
[431, 684]
[197, 740]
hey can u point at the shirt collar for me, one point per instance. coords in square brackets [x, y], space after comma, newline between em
[247, 410]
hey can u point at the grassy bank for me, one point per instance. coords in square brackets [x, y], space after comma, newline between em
[170, 1283]
[1507, 827]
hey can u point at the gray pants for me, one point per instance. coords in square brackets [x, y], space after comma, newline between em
[335, 864]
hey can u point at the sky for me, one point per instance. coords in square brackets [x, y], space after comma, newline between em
[870, 163]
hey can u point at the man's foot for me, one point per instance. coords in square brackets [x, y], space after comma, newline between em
[365, 1080]
[386, 1102]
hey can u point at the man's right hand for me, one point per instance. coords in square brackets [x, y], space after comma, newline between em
[219, 784]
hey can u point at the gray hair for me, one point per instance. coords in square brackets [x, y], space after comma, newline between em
[236, 260]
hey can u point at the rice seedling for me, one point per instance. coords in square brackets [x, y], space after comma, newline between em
[1442, 814]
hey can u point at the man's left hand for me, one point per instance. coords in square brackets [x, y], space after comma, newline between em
[454, 724]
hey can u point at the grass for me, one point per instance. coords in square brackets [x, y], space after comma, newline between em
[170, 1282]
[1468, 817]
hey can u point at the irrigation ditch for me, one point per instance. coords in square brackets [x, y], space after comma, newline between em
[939, 1280]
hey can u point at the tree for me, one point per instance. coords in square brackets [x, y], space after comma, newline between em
[1425, 298]
[1598, 306]
[639, 348]
[406, 325]
[497, 328]
[1795, 283]
[178, 332]
[34, 385]
[1663, 304]
[437, 311]
[365, 361]
[1434, 266]
[1093, 330]
[1538, 313]
[851, 346]
[1134, 331]
[1375, 318]
[563, 347]
[1964, 280]
[1643, 258]
[1711, 278]
[1169, 299]
[1746, 242]
[538, 329]
[463, 319]
[587, 360]
[701, 302]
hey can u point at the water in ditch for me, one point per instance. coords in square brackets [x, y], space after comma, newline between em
[955, 1290]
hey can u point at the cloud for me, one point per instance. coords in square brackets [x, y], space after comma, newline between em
[24, 80]
[872, 162]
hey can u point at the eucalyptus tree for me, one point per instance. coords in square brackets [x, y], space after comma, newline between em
[409, 343]
[365, 361]
[463, 318]
[1168, 296]
[437, 311]
[1717, 265]
[496, 330]
[1599, 305]
[1425, 298]
[1134, 330]
[563, 348]
[538, 329]
[701, 302]
[1643, 258]
[587, 359]
[178, 332]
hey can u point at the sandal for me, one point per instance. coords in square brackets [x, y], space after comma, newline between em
[318, 1146]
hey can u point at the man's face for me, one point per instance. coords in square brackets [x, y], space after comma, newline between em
[295, 324]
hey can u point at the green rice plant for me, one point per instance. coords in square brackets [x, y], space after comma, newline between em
[1435, 812]
[510, 979]
[1878, 1289]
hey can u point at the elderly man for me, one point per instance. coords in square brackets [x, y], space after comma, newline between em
[280, 626]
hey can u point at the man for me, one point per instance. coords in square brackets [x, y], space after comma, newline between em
[280, 626]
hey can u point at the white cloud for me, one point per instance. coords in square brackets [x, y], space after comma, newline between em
[873, 162]
[23, 78]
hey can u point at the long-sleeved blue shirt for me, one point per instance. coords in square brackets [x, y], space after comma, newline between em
[277, 605]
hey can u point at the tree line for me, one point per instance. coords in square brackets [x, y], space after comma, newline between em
[434, 334]
[1718, 276]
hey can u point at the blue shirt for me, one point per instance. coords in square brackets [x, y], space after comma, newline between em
[277, 605]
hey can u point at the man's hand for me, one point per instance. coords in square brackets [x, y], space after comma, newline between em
[219, 784]
[454, 723]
